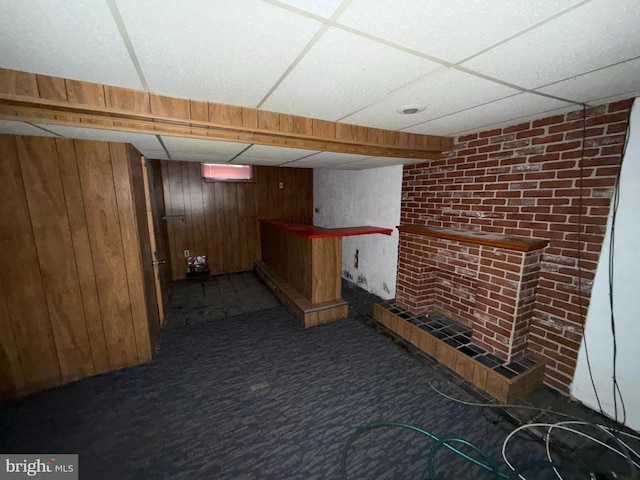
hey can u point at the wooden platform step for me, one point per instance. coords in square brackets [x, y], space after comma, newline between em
[450, 343]
[309, 314]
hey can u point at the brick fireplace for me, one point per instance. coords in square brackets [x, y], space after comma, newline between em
[550, 179]
[485, 281]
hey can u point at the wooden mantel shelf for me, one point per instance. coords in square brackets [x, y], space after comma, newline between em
[520, 244]
[311, 231]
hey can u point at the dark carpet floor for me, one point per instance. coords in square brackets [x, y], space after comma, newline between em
[256, 396]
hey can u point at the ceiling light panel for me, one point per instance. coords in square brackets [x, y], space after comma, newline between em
[443, 92]
[20, 128]
[505, 111]
[324, 8]
[213, 50]
[586, 39]
[449, 30]
[148, 145]
[342, 73]
[77, 40]
[621, 79]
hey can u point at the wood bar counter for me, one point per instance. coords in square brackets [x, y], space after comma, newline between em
[302, 265]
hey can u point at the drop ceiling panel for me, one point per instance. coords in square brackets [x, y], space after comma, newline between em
[148, 145]
[442, 92]
[507, 110]
[20, 128]
[201, 150]
[343, 73]
[593, 36]
[377, 162]
[623, 78]
[326, 160]
[273, 155]
[77, 40]
[227, 52]
[324, 8]
[449, 30]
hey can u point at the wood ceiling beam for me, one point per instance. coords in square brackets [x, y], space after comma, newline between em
[29, 97]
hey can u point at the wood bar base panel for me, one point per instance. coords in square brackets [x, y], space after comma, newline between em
[308, 313]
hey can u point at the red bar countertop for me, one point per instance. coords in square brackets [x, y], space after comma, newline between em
[310, 231]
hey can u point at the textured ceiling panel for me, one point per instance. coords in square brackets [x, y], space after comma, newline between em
[20, 128]
[449, 30]
[508, 110]
[201, 150]
[343, 73]
[595, 35]
[623, 78]
[375, 162]
[78, 40]
[324, 8]
[442, 92]
[275, 155]
[227, 52]
[148, 145]
[326, 160]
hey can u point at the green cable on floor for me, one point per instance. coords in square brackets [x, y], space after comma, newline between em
[445, 442]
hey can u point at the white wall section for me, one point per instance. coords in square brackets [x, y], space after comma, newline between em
[344, 198]
[626, 301]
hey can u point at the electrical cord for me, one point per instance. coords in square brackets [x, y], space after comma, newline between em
[563, 426]
[614, 213]
[494, 405]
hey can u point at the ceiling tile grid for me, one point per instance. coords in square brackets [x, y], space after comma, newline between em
[598, 34]
[506, 111]
[227, 52]
[343, 72]
[448, 30]
[441, 92]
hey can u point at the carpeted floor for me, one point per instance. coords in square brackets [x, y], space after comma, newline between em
[255, 396]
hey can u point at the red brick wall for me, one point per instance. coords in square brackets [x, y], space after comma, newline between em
[533, 179]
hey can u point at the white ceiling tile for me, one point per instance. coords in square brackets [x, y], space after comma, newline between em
[376, 162]
[227, 52]
[324, 8]
[258, 161]
[201, 150]
[146, 144]
[507, 110]
[342, 73]
[595, 35]
[442, 92]
[272, 155]
[20, 128]
[449, 30]
[326, 160]
[623, 78]
[77, 40]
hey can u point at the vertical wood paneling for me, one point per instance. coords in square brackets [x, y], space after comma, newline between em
[176, 217]
[103, 221]
[21, 278]
[57, 259]
[195, 211]
[226, 229]
[130, 230]
[83, 262]
[73, 295]
[12, 380]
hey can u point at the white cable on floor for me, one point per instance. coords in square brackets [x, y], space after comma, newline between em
[562, 426]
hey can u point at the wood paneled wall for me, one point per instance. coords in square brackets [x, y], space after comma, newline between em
[72, 290]
[220, 219]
